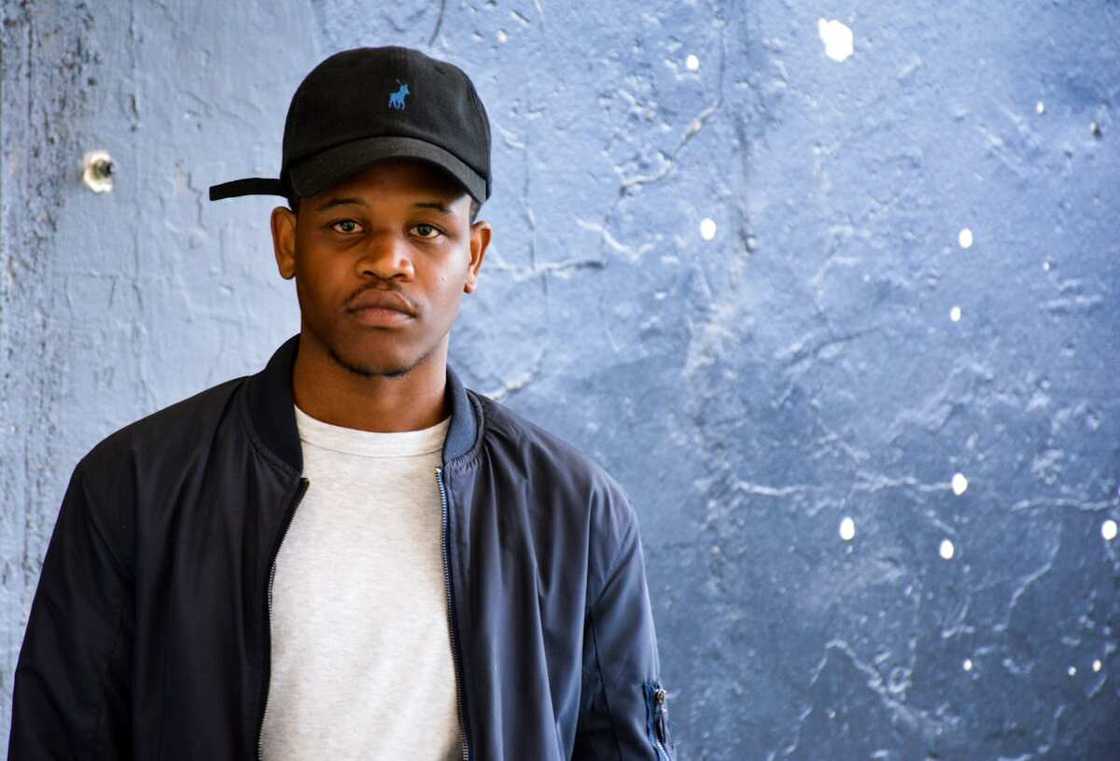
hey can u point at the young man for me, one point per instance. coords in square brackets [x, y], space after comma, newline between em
[349, 554]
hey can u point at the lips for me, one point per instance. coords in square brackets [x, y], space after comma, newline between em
[374, 299]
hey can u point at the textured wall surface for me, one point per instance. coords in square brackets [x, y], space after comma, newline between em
[877, 471]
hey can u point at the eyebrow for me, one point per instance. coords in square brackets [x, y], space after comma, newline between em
[332, 202]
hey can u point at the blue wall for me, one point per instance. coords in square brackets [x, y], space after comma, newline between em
[751, 390]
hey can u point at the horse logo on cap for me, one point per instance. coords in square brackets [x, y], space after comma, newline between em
[396, 99]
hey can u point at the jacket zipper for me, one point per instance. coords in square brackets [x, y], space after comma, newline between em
[303, 483]
[661, 722]
[459, 697]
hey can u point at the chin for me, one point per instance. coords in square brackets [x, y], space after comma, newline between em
[373, 353]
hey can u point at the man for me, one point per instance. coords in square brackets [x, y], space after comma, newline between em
[349, 554]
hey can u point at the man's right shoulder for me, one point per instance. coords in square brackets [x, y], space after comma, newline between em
[169, 432]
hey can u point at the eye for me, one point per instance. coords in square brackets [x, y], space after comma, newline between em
[423, 227]
[335, 226]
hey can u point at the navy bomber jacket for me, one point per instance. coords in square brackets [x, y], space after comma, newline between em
[148, 636]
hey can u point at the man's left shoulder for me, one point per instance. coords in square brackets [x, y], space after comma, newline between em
[524, 443]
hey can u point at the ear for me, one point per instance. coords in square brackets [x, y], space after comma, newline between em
[284, 241]
[480, 241]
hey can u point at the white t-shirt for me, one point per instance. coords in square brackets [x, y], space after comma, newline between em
[361, 651]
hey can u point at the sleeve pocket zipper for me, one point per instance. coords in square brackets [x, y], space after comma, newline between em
[657, 724]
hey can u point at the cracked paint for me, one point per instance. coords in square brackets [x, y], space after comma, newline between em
[870, 531]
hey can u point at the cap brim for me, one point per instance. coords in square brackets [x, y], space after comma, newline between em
[334, 165]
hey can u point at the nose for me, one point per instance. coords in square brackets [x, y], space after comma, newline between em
[386, 255]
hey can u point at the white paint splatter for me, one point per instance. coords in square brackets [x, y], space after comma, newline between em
[502, 36]
[964, 238]
[1040, 107]
[837, 39]
[1108, 530]
[847, 529]
[968, 664]
[692, 63]
[947, 550]
[955, 314]
[707, 228]
[960, 483]
[1097, 665]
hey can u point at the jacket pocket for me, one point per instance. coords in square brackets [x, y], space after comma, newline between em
[657, 719]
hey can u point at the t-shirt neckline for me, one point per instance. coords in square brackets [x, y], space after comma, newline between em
[355, 441]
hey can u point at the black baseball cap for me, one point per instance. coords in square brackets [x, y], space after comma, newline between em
[370, 103]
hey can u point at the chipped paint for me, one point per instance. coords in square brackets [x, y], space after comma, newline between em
[762, 395]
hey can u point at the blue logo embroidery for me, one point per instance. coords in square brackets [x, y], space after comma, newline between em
[396, 99]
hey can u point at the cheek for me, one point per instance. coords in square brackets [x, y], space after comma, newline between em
[319, 290]
[454, 275]
[448, 278]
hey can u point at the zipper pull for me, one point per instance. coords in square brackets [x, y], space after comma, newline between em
[661, 724]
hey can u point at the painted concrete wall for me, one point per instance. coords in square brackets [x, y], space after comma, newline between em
[875, 470]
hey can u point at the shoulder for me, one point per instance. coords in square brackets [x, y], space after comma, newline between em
[527, 442]
[518, 444]
[169, 433]
[148, 456]
[556, 473]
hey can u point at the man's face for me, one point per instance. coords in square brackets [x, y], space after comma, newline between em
[401, 227]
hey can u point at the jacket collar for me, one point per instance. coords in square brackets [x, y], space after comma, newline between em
[271, 413]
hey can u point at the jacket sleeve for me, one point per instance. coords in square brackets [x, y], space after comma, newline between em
[623, 707]
[70, 692]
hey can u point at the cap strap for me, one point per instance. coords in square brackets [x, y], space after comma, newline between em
[249, 186]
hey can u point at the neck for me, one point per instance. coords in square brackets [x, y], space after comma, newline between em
[329, 391]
